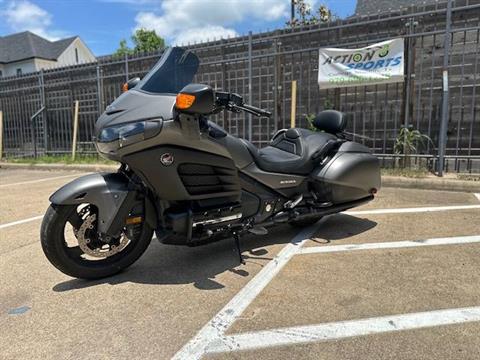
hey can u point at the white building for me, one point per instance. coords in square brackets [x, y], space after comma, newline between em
[26, 52]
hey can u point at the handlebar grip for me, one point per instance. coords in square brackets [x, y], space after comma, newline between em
[259, 111]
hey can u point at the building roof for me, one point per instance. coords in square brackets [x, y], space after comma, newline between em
[369, 7]
[27, 45]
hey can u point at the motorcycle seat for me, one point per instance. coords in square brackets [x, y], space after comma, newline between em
[293, 151]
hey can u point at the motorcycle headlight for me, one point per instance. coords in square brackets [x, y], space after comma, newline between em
[130, 133]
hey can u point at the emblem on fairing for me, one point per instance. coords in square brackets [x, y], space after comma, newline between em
[166, 159]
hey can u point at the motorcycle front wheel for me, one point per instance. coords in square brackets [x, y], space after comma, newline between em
[71, 243]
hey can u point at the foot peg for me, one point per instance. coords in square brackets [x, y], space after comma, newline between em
[290, 204]
[258, 230]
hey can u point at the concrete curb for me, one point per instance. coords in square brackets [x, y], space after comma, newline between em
[431, 184]
[387, 181]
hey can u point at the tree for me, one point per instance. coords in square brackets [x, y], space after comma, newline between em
[305, 16]
[123, 49]
[143, 40]
[147, 41]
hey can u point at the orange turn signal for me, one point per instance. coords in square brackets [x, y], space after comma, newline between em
[125, 87]
[184, 101]
[133, 220]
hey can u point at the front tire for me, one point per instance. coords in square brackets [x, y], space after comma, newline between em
[69, 260]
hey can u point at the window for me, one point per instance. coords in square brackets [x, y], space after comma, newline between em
[19, 71]
[1, 73]
[76, 55]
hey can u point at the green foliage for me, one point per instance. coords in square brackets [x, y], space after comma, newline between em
[147, 41]
[408, 140]
[143, 41]
[123, 49]
[304, 15]
[310, 118]
[411, 173]
[327, 105]
[62, 159]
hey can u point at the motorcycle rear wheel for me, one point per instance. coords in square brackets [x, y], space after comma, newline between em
[72, 260]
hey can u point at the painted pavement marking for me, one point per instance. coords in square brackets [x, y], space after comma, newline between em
[392, 245]
[343, 329]
[42, 180]
[19, 222]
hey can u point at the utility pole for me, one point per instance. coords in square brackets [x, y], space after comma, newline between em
[292, 11]
[442, 138]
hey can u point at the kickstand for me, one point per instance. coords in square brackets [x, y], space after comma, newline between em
[237, 244]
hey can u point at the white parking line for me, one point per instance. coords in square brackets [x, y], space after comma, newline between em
[412, 210]
[3, 226]
[215, 328]
[344, 329]
[392, 244]
[477, 195]
[42, 180]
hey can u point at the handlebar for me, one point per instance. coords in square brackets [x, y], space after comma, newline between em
[255, 111]
[234, 102]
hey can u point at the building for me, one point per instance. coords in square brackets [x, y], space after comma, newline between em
[26, 52]
[371, 7]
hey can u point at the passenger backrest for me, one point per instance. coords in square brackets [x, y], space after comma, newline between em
[331, 121]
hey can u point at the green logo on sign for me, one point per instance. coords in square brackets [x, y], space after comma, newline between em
[384, 51]
[357, 57]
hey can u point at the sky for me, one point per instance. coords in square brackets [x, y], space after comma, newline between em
[103, 23]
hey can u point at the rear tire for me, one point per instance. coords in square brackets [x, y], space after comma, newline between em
[54, 246]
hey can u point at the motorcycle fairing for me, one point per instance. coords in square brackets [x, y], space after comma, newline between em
[211, 172]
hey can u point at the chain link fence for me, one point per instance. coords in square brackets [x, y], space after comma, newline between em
[261, 67]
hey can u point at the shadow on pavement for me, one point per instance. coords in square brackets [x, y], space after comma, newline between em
[342, 226]
[167, 264]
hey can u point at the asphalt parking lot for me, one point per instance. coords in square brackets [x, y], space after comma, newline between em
[395, 279]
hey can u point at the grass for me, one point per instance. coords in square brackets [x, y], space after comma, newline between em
[406, 172]
[469, 177]
[62, 159]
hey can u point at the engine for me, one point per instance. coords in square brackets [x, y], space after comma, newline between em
[190, 226]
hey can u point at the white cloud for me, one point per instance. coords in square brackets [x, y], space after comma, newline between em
[195, 21]
[205, 33]
[25, 15]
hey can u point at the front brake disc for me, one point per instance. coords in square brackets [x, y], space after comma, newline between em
[89, 247]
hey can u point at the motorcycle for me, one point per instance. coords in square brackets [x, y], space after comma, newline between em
[184, 178]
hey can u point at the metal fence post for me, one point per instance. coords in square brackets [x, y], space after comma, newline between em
[126, 67]
[1, 134]
[408, 87]
[34, 136]
[250, 87]
[442, 138]
[99, 91]
[41, 82]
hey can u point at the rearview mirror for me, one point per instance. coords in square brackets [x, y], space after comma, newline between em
[130, 84]
[196, 99]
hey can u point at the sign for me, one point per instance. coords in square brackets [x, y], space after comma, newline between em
[379, 63]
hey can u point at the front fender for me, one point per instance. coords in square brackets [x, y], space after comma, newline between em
[107, 191]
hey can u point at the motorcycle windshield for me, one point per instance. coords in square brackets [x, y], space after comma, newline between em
[175, 69]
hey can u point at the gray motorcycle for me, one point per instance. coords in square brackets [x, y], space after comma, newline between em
[186, 179]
